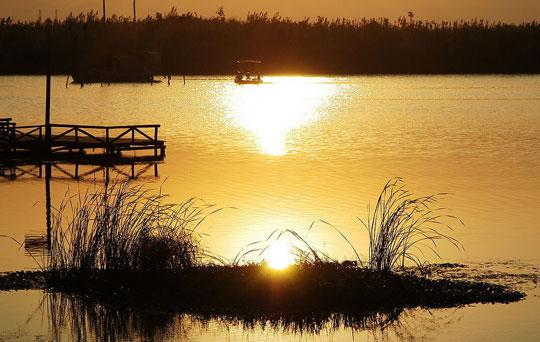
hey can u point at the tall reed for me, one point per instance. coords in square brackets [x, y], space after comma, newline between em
[126, 227]
[300, 249]
[402, 227]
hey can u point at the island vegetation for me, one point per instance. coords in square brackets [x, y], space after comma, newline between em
[124, 246]
[191, 44]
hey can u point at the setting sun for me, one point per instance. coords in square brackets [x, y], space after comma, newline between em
[278, 255]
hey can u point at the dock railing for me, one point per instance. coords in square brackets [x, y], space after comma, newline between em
[6, 134]
[5, 127]
[27, 132]
[109, 134]
[68, 136]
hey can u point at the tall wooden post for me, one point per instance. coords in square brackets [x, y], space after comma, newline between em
[48, 102]
[104, 13]
[134, 11]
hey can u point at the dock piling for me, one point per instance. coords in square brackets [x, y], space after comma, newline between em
[48, 107]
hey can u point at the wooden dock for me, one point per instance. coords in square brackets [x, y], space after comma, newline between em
[54, 139]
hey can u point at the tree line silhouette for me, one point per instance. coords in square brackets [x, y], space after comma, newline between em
[191, 44]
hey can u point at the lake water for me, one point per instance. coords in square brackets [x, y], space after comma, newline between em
[298, 149]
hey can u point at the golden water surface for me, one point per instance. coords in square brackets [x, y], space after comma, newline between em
[297, 149]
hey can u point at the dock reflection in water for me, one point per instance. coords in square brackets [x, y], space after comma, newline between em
[86, 170]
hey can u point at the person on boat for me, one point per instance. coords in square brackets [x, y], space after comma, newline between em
[238, 77]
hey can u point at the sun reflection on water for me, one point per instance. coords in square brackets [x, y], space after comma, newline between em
[270, 111]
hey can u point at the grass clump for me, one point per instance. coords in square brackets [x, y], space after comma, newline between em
[303, 252]
[123, 227]
[402, 230]
[402, 227]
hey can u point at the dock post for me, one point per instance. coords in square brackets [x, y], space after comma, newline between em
[48, 201]
[12, 172]
[48, 105]
[155, 141]
[11, 132]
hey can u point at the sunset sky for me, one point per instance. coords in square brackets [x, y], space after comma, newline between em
[503, 10]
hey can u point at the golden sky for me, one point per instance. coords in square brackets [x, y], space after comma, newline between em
[503, 10]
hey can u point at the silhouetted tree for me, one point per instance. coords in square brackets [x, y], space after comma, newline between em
[195, 45]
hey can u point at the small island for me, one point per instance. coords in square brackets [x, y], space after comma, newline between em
[124, 247]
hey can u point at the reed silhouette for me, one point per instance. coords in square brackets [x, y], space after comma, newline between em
[124, 245]
[123, 250]
[123, 227]
[191, 44]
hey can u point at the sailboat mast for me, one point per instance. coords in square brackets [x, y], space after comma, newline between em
[104, 13]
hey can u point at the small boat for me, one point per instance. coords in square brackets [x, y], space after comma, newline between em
[139, 67]
[248, 72]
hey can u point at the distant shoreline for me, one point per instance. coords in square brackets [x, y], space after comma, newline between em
[194, 45]
[231, 76]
